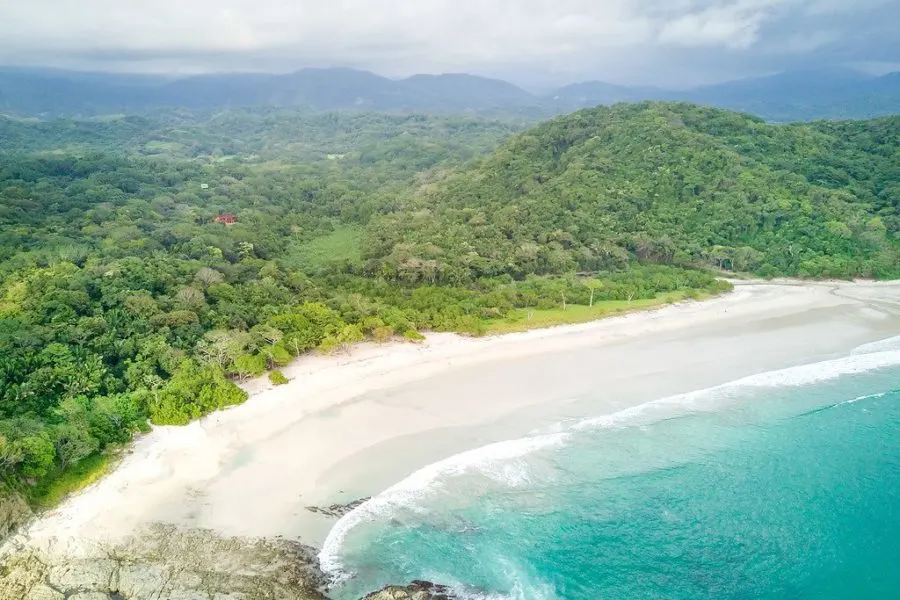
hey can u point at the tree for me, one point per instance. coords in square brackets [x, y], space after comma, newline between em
[249, 365]
[593, 285]
[206, 277]
[73, 443]
[268, 334]
[193, 391]
[38, 453]
[190, 298]
[220, 347]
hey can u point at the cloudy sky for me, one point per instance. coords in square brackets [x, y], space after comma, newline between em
[533, 42]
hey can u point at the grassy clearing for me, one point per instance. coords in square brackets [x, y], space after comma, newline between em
[525, 319]
[53, 490]
[161, 147]
[341, 244]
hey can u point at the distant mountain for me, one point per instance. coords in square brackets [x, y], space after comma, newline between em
[789, 96]
[787, 86]
[594, 93]
[60, 92]
[470, 91]
[799, 95]
[317, 89]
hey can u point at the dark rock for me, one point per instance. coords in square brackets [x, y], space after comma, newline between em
[337, 511]
[417, 590]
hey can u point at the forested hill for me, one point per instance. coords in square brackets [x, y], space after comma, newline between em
[284, 134]
[668, 183]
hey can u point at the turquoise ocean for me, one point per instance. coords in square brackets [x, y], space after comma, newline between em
[781, 485]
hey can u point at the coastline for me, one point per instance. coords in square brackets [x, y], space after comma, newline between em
[252, 469]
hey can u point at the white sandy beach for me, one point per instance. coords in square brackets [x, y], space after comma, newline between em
[352, 424]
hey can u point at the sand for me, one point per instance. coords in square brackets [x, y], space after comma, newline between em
[351, 424]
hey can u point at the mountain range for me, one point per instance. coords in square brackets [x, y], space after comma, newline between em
[788, 96]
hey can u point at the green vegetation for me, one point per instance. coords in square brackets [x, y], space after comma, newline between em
[287, 135]
[278, 378]
[341, 246]
[138, 288]
[53, 490]
[523, 319]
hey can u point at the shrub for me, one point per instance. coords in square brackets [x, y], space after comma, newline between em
[383, 334]
[277, 377]
[329, 344]
[470, 325]
[370, 324]
[280, 356]
[249, 365]
[350, 334]
[413, 335]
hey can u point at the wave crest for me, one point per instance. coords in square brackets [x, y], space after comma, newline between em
[790, 377]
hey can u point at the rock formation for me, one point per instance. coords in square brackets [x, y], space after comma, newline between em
[162, 563]
[337, 510]
[417, 590]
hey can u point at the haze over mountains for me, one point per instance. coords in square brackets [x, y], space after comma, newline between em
[783, 97]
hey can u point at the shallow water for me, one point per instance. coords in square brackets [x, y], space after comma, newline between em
[781, 485]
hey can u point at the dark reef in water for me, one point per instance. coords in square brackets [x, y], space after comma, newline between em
[417, 590]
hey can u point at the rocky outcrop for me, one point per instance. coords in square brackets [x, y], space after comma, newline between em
[162, 563]
[337, 510]
[167, 563]
[417, 590]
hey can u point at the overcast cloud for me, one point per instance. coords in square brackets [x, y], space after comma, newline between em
[665, 42]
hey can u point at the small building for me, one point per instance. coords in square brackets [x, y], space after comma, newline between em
[204, 186]
[226, 219]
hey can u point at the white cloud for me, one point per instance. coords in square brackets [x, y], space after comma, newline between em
[801, 43]
[398, 36]
[735, 25]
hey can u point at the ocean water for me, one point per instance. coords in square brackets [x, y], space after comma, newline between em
[781, 485]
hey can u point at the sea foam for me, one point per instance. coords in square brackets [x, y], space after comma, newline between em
[885, 345]
[491, 460]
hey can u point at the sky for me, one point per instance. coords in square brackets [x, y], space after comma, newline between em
[673, 43]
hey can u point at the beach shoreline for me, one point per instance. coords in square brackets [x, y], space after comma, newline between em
[251, 470]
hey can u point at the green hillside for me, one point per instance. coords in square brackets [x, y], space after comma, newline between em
[666, 183]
